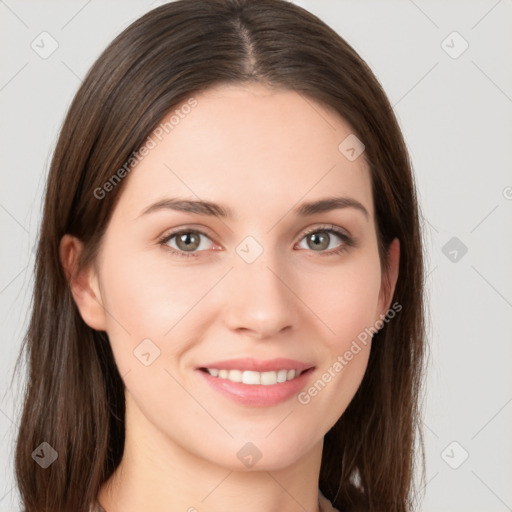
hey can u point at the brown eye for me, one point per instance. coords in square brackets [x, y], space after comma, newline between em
[318, 240]
[188, 241]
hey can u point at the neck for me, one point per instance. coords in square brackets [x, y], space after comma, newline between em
[158, 475]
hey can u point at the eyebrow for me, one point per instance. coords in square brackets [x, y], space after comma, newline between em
[209, 208]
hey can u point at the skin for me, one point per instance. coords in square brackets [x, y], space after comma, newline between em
[261, 152]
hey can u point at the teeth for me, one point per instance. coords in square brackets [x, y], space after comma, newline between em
[252, 378]
[281, 375]
[234, 375]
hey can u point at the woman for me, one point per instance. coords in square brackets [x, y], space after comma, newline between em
[228, 305]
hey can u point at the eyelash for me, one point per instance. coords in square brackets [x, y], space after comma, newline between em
[347, 241]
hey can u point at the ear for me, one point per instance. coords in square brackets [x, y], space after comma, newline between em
[390, 277]
[83, 283]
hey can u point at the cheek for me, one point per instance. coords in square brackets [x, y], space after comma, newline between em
[149, 295]
[345, 299]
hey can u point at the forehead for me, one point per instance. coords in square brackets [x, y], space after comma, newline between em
[249, 146]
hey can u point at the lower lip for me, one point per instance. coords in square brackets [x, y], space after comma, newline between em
[258, 395]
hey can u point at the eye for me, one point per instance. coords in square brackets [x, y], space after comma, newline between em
[187, 241]
[319, 239]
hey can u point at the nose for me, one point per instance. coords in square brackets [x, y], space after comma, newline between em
[258, 299]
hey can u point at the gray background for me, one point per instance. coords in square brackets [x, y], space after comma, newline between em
[456, 118]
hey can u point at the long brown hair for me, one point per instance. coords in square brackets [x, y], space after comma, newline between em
[74, 395]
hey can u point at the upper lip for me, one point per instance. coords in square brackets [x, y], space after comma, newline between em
[267, 365]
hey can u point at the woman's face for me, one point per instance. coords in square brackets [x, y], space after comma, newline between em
[269, 285]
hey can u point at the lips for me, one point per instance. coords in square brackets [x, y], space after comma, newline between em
[269, 390]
